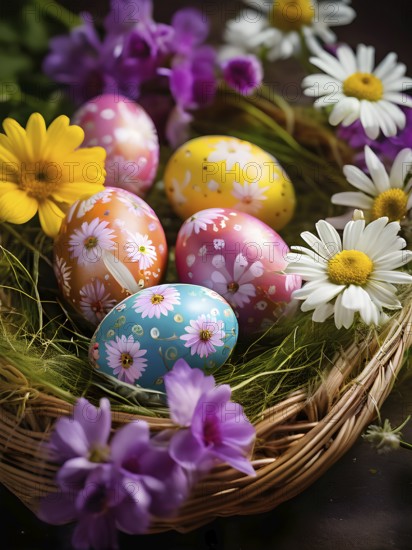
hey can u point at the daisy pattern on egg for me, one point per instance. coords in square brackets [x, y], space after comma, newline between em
[235, 287]
[140, 249]
[199, 221]
[63, 275]
[156, 301]
[125, 357]
[86, 244]
[250, 196]
[95, 301]
[231, 151]
[204, 335]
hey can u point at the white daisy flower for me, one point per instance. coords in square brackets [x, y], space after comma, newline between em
[356, 274]
[275, 28]
[380, 194]
[232, 151]
[141, 249]
[200, 220]
[357, 90]
[250, 196]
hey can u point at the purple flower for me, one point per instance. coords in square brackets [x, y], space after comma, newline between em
[75, 60]
[81, 443]
[125, 14]
[108, 501]
[203, 334]
[243, 73]
[192, 79]
[191, 29]
[138, 480]
[162, 481]
[215, 429]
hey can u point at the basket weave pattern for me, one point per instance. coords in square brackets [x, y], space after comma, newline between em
[297, 440]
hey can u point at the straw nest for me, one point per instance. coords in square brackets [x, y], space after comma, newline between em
[298, 438]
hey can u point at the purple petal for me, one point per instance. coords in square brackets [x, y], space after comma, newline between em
[68, 440]
[96, 422]
[74, 472]
[191, 29]
[57, 509]
[238, 429]
[216, 403]
[234, 457]
[244, 73]
[131, 436]
[98, 532]
[133, 517]
[186, 450]
[184, 387]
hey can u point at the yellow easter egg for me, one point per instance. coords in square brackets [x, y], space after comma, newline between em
[226, 172]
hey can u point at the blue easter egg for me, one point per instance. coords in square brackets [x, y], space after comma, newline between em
[141, 338]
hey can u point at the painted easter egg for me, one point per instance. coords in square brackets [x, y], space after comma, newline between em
[129, 136]
[222, 171]
[110, 246]
[241, 258]
[141, 338]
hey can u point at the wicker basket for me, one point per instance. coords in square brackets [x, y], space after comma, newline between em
[297, 440]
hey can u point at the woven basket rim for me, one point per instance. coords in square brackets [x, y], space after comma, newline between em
[298, 439]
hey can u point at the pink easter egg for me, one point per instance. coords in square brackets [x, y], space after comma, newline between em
[242, 259]
[128, 134]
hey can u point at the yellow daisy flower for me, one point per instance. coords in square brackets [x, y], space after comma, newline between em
[42, 170]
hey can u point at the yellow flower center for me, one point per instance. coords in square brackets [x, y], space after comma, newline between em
[291, 15]
[391, 203]
[38, 180]
[350, 267]
[363, 86]
[99, 454]
[142, 248]
[126, 360]
[232, 287]
[205, 335]
[90, 242]
[157, 299]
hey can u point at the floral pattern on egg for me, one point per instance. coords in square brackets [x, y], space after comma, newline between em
[221, 171]
[99, 259]
[240, 258]
[141, 338]
[128, 134]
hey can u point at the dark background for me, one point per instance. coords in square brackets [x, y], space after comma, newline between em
[364, 502]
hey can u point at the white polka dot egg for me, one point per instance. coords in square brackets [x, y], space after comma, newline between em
[126, 131]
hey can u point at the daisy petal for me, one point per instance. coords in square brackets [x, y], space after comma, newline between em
[26, 207]
[352, 234]
[368, 119]
[377, 170]
[359, 179]
[36, 134]
[50, 217]
[365, 58]
[343, 317]
[354, 199]
[329, 236]
[401, 167]
[396, 277]
[386, 66]
[343, 109]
